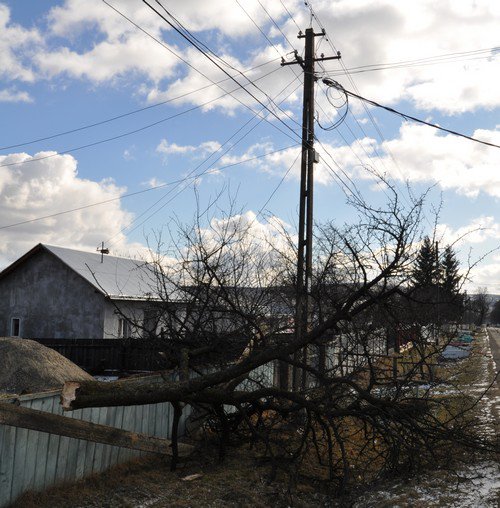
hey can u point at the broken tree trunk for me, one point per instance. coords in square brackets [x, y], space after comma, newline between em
[41, 421]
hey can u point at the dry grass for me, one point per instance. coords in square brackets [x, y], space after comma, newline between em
[240, 481]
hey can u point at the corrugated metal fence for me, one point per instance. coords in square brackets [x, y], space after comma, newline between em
[32, 460]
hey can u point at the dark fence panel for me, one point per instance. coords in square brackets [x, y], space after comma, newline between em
[101, 355]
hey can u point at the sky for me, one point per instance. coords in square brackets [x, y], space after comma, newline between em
[128, 117]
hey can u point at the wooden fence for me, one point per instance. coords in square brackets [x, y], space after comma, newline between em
[32, 460]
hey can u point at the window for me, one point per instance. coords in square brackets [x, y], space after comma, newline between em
[15, 327]
[123, 328]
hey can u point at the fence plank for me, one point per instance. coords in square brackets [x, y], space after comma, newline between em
[7, 448]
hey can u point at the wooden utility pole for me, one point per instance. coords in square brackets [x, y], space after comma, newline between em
[309, 158]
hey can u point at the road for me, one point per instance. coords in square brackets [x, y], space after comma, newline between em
[494, 394]
[494, 334]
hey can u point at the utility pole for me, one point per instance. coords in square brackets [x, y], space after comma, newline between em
[309, 158]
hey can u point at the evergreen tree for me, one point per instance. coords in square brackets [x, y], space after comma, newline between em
[426, 273]
[452, 302]
[450, 279]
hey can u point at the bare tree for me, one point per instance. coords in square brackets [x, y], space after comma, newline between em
[223, 319]
[478, 306]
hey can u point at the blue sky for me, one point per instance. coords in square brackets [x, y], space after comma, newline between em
[68, 64]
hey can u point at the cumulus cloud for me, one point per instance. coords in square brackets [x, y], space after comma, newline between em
[153, 182]
[487, 275]
[45, 187]
[116, 47]
[97, 44]
[15, 44]
[374, 32]
[424, 155]
[256, 240]
[12, 95]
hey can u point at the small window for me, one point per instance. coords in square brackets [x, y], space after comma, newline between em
[15, 327]
[123, 328]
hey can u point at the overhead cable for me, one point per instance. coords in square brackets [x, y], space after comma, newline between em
[128, 133]
[195, 68]
[184, 33]
[129, 113]
[338, 86]
[155, 187]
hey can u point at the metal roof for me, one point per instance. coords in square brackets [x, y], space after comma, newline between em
[116, 277]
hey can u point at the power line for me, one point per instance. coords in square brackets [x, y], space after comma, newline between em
[193, 67]
[199, 165]
[337, 176]
[190, 37]
[276, 25]
[134, 131]
[129, 113]
[259, 29]
[338, 86]
[193, 41]
[366, 109]
[290, 15]
[431, 60]
[156, 187]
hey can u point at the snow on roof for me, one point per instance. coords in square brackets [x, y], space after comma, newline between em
[115, 276]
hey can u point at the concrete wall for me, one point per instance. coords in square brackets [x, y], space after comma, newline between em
[113, 311]
[50, 300]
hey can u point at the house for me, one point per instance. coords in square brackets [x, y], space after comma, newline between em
[55, 292]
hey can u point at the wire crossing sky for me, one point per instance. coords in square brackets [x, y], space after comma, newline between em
[103, 103]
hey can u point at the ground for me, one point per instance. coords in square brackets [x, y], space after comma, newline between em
[242, 480]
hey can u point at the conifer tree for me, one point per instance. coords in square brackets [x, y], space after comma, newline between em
[452, 305]
[450, 278]
[426, 273]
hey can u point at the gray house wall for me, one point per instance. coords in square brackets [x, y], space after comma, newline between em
[51, 300]
[131, 310]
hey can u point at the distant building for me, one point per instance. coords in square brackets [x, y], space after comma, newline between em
[54, 292]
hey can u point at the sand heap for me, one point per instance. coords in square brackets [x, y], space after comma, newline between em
[28, 367]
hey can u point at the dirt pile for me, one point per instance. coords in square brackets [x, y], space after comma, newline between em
[28, 367]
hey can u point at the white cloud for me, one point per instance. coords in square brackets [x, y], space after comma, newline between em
[99, 45]
[427, 156]
[16, 44]
[479, 230]
[259, 242]
[45, 187]
[487, 275]
[108, 60]
[128, 154]
[153, 182]
[207, 147]
[116, 48]
[375, 32]
[12, 95]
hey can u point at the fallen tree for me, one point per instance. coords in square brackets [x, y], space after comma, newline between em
[332, 394]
